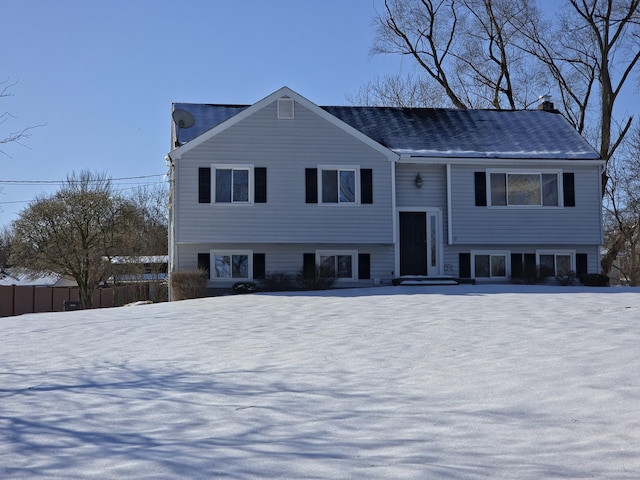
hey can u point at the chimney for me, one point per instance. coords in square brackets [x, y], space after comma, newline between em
[546, 104]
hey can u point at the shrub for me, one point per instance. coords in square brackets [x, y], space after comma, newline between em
[317, 278]
[189, 284]
[567, 279]
[594, 280]
[279, 282]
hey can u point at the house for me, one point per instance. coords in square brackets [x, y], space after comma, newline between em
[136, 269]
[380, 194]
[26, 278]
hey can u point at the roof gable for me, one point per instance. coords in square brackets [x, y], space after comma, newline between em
[210, 120]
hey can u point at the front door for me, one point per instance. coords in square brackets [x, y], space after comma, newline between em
[420, 252]
[413, 243]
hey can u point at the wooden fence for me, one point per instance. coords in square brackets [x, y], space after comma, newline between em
[17, 300]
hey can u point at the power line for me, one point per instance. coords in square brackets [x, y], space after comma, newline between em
[62, 182]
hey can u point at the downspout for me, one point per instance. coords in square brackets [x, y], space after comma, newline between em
[449, 214]
[394, 217]
[169, 162]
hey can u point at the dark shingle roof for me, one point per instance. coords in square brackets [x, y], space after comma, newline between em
[438, 132]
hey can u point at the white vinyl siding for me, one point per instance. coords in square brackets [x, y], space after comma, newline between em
[475, 225]
[286, 149]
[288, 258]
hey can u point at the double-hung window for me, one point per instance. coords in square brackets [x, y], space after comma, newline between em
[231, 265]
[490, 265]
[556, 263]
[338, 264]
[338, 185]
[232, 184]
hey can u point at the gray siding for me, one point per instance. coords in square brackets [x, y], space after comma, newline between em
[452, 265]
[286, 148]
[434, 186]
[579, 225]
[288, 258]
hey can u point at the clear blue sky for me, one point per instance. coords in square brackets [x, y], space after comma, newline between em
[101, 75]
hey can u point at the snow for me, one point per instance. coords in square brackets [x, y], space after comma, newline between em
[438, 382]
[412, 154]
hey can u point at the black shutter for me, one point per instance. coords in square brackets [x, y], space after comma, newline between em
[581, 264]
[259, 271]
[204, 185]
[204, 262]
[481, 189]
[530, 269]
[309, 265]
[364, 266]
[465, 265]
[516, 265]
[260, 184]
[366, 185]
[311, 185]
[569, 189]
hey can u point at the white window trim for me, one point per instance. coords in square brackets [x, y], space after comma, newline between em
[352, 168]
[540, 172]
[352, 253]
[212, 262]
[571, 253]
[224, 166]
[505, 253]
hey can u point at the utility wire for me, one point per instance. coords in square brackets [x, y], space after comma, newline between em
[62, 182]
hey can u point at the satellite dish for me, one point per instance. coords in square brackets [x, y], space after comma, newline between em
[183, 118]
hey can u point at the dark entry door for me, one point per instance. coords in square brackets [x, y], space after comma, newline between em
[413, 243]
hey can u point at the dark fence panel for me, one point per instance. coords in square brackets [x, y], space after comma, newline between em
[16, 300]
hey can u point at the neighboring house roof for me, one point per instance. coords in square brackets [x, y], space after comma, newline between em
[436, 132]
[141, 259]
[22, 277]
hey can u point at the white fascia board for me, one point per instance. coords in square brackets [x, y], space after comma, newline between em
[282, 92]
[499, 161]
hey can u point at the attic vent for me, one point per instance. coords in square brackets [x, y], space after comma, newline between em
[285, 108]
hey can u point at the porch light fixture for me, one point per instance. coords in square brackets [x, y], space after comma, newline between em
[418, 180]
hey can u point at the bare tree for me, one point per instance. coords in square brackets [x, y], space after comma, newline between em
[622, 212]
[75, 232]
[16, 136]
[591, 51]
[399, 91]
[6, 240]
[469, 48]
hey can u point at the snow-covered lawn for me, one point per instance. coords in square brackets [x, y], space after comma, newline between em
[455, 382]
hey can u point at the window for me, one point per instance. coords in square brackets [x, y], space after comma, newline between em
[524, 189]
[338, 185]
[231, 184]
[338, 264]
[555, 263]
[492, 265]
[231, 265]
